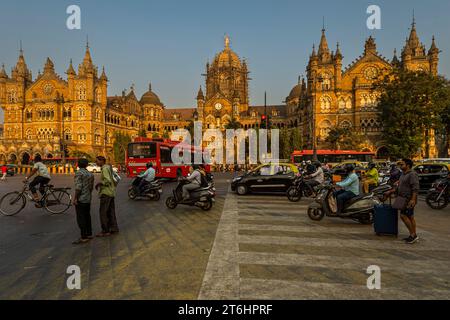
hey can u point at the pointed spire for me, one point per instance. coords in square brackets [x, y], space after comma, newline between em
[313, 54]
[434, 49]
[200, 95]
[103, 77]
[149, 87]
[3, 74]
[338, 54]
[395, 60]
[370, 46]
[21, 68]
[227, 42]
[71, 70]
[49, 66]
[323, 47]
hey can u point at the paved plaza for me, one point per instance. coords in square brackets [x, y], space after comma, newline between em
[252, 247]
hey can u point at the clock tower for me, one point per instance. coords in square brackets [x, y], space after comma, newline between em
[226, 89]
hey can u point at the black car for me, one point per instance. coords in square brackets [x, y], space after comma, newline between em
[266, 178]
[429, 173]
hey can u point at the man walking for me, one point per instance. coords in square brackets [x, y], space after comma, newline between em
[408, 190]
[84, 184]
[107, 192]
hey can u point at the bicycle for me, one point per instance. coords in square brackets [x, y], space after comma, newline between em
[54, 200]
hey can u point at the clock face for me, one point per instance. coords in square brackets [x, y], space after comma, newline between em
[218, 106]
[48, 89]
[371, 73]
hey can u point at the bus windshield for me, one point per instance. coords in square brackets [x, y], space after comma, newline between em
[142, 150]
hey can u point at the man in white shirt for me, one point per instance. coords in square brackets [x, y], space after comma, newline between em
[195, 179]
[42, 177]
[317, 177]
[147, 177]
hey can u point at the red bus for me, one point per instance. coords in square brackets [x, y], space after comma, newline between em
[332, 156]
[159, 152]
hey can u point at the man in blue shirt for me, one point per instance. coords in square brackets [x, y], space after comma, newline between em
[348, 189]
[147, 177]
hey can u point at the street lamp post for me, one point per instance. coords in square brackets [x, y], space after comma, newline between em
[60, 100]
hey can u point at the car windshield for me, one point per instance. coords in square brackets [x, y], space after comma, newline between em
[430, 169]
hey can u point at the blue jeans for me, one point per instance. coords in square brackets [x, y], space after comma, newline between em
[342, 197]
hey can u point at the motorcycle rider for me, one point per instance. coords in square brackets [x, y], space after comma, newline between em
[394, 174]
[195, 181]
[146, 177]
[371, 178]
[348, 189]
[317, 177]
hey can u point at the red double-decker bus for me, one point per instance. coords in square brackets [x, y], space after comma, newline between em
[159, 152]
[332, 156]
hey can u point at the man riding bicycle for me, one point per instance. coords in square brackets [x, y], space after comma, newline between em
[42, 177]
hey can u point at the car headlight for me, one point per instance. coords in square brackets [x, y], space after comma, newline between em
[237, 179]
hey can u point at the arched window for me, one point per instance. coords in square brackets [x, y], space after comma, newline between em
[81, 135]
[81, 92]
[326, 84]
[342, 105]
[97, 136]
[98, 95]
[68, 135]
[98, 114]
[345, 124]
[81, 112]
[12, 96]
[29, 134]
[29, 115]
[324, 128]
[325, 104]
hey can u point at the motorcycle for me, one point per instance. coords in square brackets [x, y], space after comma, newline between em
[300, 189]
[203, 197]
[438, 196]
[151, 190]
[360, 208]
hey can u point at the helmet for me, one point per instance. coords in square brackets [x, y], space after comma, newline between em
[149, 165]
[308, 162]
[317, 164]
[372, 165]
[349, 168]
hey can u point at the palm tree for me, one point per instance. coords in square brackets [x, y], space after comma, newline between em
[233, 124]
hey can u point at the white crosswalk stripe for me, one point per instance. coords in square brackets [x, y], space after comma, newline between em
[282, 254]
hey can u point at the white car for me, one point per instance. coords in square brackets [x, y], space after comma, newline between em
[94, 168]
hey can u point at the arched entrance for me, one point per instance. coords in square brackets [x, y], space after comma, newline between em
[13, 158]
[25, 158]
[383, 153]
[3, 158]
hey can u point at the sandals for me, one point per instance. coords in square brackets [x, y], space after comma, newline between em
[103, 235]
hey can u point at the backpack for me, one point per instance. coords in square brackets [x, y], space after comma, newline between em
[115, 177]
[203, 181]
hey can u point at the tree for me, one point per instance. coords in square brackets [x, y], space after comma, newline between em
[411, 105]
[344, 139]
[142, 133]
[233, 124]
[82, 155]
[120, 145]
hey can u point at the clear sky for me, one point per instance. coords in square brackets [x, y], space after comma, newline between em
[169, 42]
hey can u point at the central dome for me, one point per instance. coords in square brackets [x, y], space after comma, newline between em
[227, 57]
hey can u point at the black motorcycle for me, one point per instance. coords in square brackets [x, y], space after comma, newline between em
[203, 197]
[439, 195]
[301, 189]
[151, 190]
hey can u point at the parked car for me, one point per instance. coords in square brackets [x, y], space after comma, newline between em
[430, 172]
[266, 178]
[94, 168]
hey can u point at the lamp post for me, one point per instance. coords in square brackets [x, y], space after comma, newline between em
[60, 100]
[314, 139]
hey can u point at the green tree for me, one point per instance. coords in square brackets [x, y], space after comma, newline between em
[120, 146]
[166, 134]
[344, 139]
[80, 155]
[411, 105]
[233, 124]
[142, 133]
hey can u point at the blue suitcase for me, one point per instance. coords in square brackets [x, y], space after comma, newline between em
[385, 220]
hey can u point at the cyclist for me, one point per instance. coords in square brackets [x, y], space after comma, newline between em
[42, 177]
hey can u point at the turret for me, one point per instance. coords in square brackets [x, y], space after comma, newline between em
[338, 65]
[200, 103]
[433, 57]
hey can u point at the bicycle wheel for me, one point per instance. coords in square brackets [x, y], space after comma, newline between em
[12, 203]
[57, 201]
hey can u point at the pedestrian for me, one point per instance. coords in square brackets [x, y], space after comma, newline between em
[84, 184]
[4, 172]
[406, 201]
[107, 192]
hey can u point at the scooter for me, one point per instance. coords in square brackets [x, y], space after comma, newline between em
[151, 190]
[360, 208]
[203, 197]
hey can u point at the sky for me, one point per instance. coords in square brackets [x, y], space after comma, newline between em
[169, 42]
